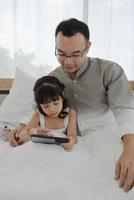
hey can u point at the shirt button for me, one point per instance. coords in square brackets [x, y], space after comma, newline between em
[75, 95]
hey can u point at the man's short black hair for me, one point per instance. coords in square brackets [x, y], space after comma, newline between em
[72, 26]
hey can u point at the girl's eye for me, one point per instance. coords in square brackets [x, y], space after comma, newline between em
[56, 103]
[46, 106]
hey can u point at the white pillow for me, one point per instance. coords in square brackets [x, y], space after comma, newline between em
[19, 103]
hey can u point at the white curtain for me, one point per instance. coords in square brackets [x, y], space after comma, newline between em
[111, 25]
[27, 31]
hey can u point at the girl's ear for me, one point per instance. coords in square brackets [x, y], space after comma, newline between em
[63, 94]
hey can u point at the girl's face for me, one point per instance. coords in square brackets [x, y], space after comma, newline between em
[53, 108]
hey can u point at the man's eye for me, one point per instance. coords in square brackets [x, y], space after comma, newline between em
[62, 55]
[75, 56]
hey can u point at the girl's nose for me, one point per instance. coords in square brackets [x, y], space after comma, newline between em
[52, 108]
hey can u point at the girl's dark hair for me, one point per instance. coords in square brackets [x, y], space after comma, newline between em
[47, 89]
[72, 26]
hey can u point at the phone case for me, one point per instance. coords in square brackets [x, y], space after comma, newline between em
[48, 139]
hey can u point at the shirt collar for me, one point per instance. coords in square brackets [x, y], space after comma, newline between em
[82, 68]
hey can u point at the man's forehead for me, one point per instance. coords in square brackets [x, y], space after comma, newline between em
[63, 38]
[73, 43]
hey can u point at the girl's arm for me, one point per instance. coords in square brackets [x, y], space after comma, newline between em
[72, 125]
[71, 130]
[16, 135]
[33, 124]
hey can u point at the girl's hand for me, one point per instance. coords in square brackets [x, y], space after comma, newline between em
[14, 136]
[24, 135]
[44, 131]
[68, 146]
[39, 131]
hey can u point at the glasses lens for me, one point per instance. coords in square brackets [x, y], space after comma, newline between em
[62, 57]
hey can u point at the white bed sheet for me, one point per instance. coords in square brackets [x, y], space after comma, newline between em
[39, 171]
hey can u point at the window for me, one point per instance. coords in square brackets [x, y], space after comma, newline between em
[27, 31]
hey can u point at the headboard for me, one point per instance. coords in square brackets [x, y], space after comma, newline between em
[132, 84]
[5, 85]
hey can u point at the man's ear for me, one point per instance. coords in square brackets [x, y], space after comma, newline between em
[88, 46]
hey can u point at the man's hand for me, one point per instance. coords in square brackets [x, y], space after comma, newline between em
[124, 171]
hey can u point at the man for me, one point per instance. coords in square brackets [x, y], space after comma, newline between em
[92, 87]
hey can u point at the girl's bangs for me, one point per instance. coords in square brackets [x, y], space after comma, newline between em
[49, 99]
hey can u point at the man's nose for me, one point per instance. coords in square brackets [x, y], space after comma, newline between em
[68, 60]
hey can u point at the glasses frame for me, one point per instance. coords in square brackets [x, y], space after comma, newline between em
[63, 56]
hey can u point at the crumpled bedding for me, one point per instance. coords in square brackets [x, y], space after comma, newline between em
[43, 171]
[5, 128]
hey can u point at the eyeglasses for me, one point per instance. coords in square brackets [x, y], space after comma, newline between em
[75, 56]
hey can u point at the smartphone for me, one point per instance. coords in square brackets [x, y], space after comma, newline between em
[49, 139]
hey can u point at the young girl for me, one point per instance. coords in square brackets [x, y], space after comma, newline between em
[53, 115]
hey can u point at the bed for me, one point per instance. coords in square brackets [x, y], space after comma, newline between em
[40, 171]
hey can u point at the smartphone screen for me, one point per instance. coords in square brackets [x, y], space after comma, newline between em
[48, 139]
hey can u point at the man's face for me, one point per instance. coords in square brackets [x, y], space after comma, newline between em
[71, 51]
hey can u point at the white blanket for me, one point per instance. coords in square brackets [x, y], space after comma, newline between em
[48, 172]
[40, 171]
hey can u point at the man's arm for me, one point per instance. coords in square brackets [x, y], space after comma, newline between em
[121, 102]
[124, 171]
